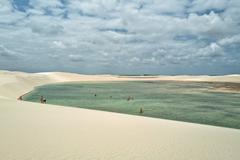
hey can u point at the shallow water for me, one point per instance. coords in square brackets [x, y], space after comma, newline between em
[183, 101]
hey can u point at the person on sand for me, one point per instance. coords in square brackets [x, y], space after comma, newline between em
[20, 98]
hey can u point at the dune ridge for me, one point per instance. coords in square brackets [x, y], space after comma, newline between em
[39, 131]
[14, 84]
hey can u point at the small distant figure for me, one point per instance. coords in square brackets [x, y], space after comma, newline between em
[95, 95]
[110, 97]
[20, 98]
[43, 100]
[130, 98]
[141, 110]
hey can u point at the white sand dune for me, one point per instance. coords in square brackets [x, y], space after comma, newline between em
[42, 132]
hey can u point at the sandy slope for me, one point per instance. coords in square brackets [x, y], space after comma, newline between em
[40, 132]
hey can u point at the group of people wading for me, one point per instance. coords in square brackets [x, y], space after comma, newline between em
[129, 98]
[44, 101]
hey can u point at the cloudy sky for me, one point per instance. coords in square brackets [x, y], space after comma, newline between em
[121, 36]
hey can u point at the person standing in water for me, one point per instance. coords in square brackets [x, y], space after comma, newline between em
[141, 110]
[41, 99]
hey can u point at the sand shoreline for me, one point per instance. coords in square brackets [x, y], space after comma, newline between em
[58, 77]
[42, 131]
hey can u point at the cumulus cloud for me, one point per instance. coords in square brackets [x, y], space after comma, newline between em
[211, 51]
[207, 5]
[47, 30]
[8, 54]
[137, 36]
[59, 44]
[230, 40]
